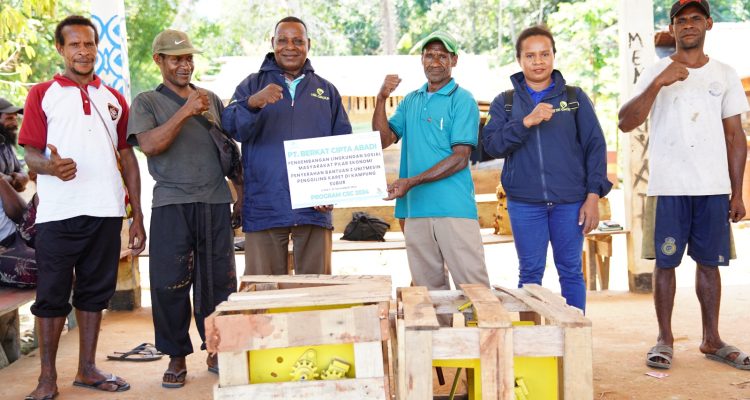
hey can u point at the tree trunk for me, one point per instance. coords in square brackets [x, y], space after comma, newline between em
[387, 27]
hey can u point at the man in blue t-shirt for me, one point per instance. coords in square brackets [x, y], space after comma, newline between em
[438, 126]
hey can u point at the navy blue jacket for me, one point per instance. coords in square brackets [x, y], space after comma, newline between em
[315, 111]
[557, 161]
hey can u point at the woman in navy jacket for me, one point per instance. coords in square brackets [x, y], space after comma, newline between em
[555, 167]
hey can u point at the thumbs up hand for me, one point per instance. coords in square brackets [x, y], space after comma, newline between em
[63, 168]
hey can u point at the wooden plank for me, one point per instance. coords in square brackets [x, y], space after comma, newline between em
[234, 367]
[490, 312]
[368, 359]
[448, 301]
[578, 376]
[496, 361]
[311, 296]
[589, 263]
[555, 312]
[564, 313]
[528, 341]
[11, 299]
[418, 311]
[455, 343]
[321, 279]
[307, 328]
[388, 365]
[384, 309]
[395, 241]
[418, 365]
[366, 388]
[400, 359]
[538, 341]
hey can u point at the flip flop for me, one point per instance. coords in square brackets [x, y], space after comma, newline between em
[213, 370]
[142, 352]
[722, 355]
[660, 351]
[47, 397]
[97, 385]
[179, 378]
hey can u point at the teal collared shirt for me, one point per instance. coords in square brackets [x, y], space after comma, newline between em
[292, 85]
[428, 127]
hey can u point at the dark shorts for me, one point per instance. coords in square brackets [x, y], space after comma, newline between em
[698, 223]
[85, 247]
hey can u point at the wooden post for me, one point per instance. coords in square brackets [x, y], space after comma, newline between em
[637, 52]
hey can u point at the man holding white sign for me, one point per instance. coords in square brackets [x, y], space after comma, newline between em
[439, 126]
[283, 101]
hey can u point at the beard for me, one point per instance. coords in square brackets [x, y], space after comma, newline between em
[8, 136]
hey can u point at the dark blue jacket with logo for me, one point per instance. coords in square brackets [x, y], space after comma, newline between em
[557, 161]
[315, 111]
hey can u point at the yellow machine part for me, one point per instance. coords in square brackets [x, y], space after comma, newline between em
[277, 365]
[538, 374]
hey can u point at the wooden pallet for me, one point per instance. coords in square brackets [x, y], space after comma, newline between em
[243, 324]
[565, 334]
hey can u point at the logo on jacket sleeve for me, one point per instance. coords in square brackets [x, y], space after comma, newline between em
[318, 93]
[114, 112]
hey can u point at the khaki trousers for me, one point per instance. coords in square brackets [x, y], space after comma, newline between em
[266, 251]
[434, 244]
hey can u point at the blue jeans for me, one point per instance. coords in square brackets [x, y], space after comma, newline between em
[535, 225]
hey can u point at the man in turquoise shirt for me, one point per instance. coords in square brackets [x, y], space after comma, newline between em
[438, 126]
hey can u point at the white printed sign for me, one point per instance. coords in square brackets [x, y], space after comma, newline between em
[335, 169]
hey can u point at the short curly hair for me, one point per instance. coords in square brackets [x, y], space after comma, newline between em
[74, 20]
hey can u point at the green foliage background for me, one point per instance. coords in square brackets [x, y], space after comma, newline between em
[585, 32]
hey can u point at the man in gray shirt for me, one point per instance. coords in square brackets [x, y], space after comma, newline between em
[191, 240]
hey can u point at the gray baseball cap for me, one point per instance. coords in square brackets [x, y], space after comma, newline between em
[6, 107]
[173, 43]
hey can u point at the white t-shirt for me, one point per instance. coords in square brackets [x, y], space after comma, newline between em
[58, 113]
[687, 150]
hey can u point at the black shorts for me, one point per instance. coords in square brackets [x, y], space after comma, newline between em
[85, 247]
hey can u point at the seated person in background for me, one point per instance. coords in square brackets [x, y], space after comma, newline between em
[17, 259]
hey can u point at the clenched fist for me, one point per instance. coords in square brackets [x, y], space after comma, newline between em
[542, 112]
[269, 95]
[676, 71]
[197, 102]
[390, 84]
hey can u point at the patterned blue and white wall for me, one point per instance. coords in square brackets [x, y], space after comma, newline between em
[112, 61]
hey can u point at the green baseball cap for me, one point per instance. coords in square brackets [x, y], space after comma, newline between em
[173, 43]
[444, 37]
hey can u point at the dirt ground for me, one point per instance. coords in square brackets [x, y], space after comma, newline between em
[624, 329]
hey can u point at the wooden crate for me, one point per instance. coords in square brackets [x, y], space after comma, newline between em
[565, 334]
[277, 312]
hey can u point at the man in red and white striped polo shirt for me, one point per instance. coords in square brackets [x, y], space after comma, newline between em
[74, 132]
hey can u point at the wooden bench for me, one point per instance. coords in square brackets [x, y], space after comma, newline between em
[10, 324]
